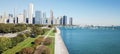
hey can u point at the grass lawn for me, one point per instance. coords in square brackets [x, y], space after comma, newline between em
[52, 33]
[27, 43]
[21, 45]
[51, 46]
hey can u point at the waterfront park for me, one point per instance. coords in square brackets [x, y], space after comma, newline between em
[27, 39]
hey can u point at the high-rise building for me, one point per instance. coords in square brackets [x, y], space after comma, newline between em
[30, 13]
[70, 21]
[33, 20]
[0, 19]
[25, 15]
[61, 21]
[51, 16]
[46, 21]
[10, 18]
[38, 17]
[49, 21]
[58, 20]
[54, 20]
[44, 18]
[5, 17]
[64, 20]
[15, 18]
[26, 20]
[20, 18]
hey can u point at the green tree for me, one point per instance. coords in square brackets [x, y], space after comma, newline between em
[38, 40]
[14, 41]
[36, 30]
[47, 41]
[20, 37]
[27, 50]
[5, 43]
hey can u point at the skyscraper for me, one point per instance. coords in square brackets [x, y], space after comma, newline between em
[51, 16]
[25, 15]
[33, 20]
[38, 17]
[61, 21]
[10, 18]
[3, 19]
[64, 20]
[58, 20]
[20, 18]
[15, 18]
[30, 13]
[70, 21]
[44, 18]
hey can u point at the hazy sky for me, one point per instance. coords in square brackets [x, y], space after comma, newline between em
[96, 12]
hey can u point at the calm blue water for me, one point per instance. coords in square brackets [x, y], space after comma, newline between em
[91, 41]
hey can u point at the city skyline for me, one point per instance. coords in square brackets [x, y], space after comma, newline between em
[96, 12]
[28, 18]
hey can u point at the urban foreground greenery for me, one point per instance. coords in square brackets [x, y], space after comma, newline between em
[25, 43]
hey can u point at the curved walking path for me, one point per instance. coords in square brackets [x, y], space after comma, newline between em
[60, 47]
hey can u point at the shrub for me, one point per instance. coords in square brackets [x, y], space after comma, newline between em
[17, 53]
[20, 37]
[27, 34]
[50, 26]
[38, 40]
[1, 52]
[30, 25]
[42, 50]
[36, 30]
[5, 43]
[47, 41]
[38, 25]
[35, 46]
[17, 39]
[8, 28]
[27, 50]
[14, 41]
[45, 30]
[54, 30]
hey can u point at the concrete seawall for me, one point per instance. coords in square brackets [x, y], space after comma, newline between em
[60, 47]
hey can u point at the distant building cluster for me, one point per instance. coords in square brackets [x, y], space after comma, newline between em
[40, 18]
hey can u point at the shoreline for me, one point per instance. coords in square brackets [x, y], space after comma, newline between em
[60, 47]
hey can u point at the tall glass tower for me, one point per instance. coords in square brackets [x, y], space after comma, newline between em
[64, 20]
[38, 19]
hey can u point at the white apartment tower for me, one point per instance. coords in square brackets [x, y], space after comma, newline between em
[20, 18]
[3, 18]
[25, 15]
[11, 18]
[58, 20]
[44, 18]
[15, 18]
[30, 13]
[71, 21]
[51, 16]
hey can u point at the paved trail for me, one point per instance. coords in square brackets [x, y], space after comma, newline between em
[60, 47]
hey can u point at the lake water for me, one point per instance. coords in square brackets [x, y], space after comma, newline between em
[91, 41]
